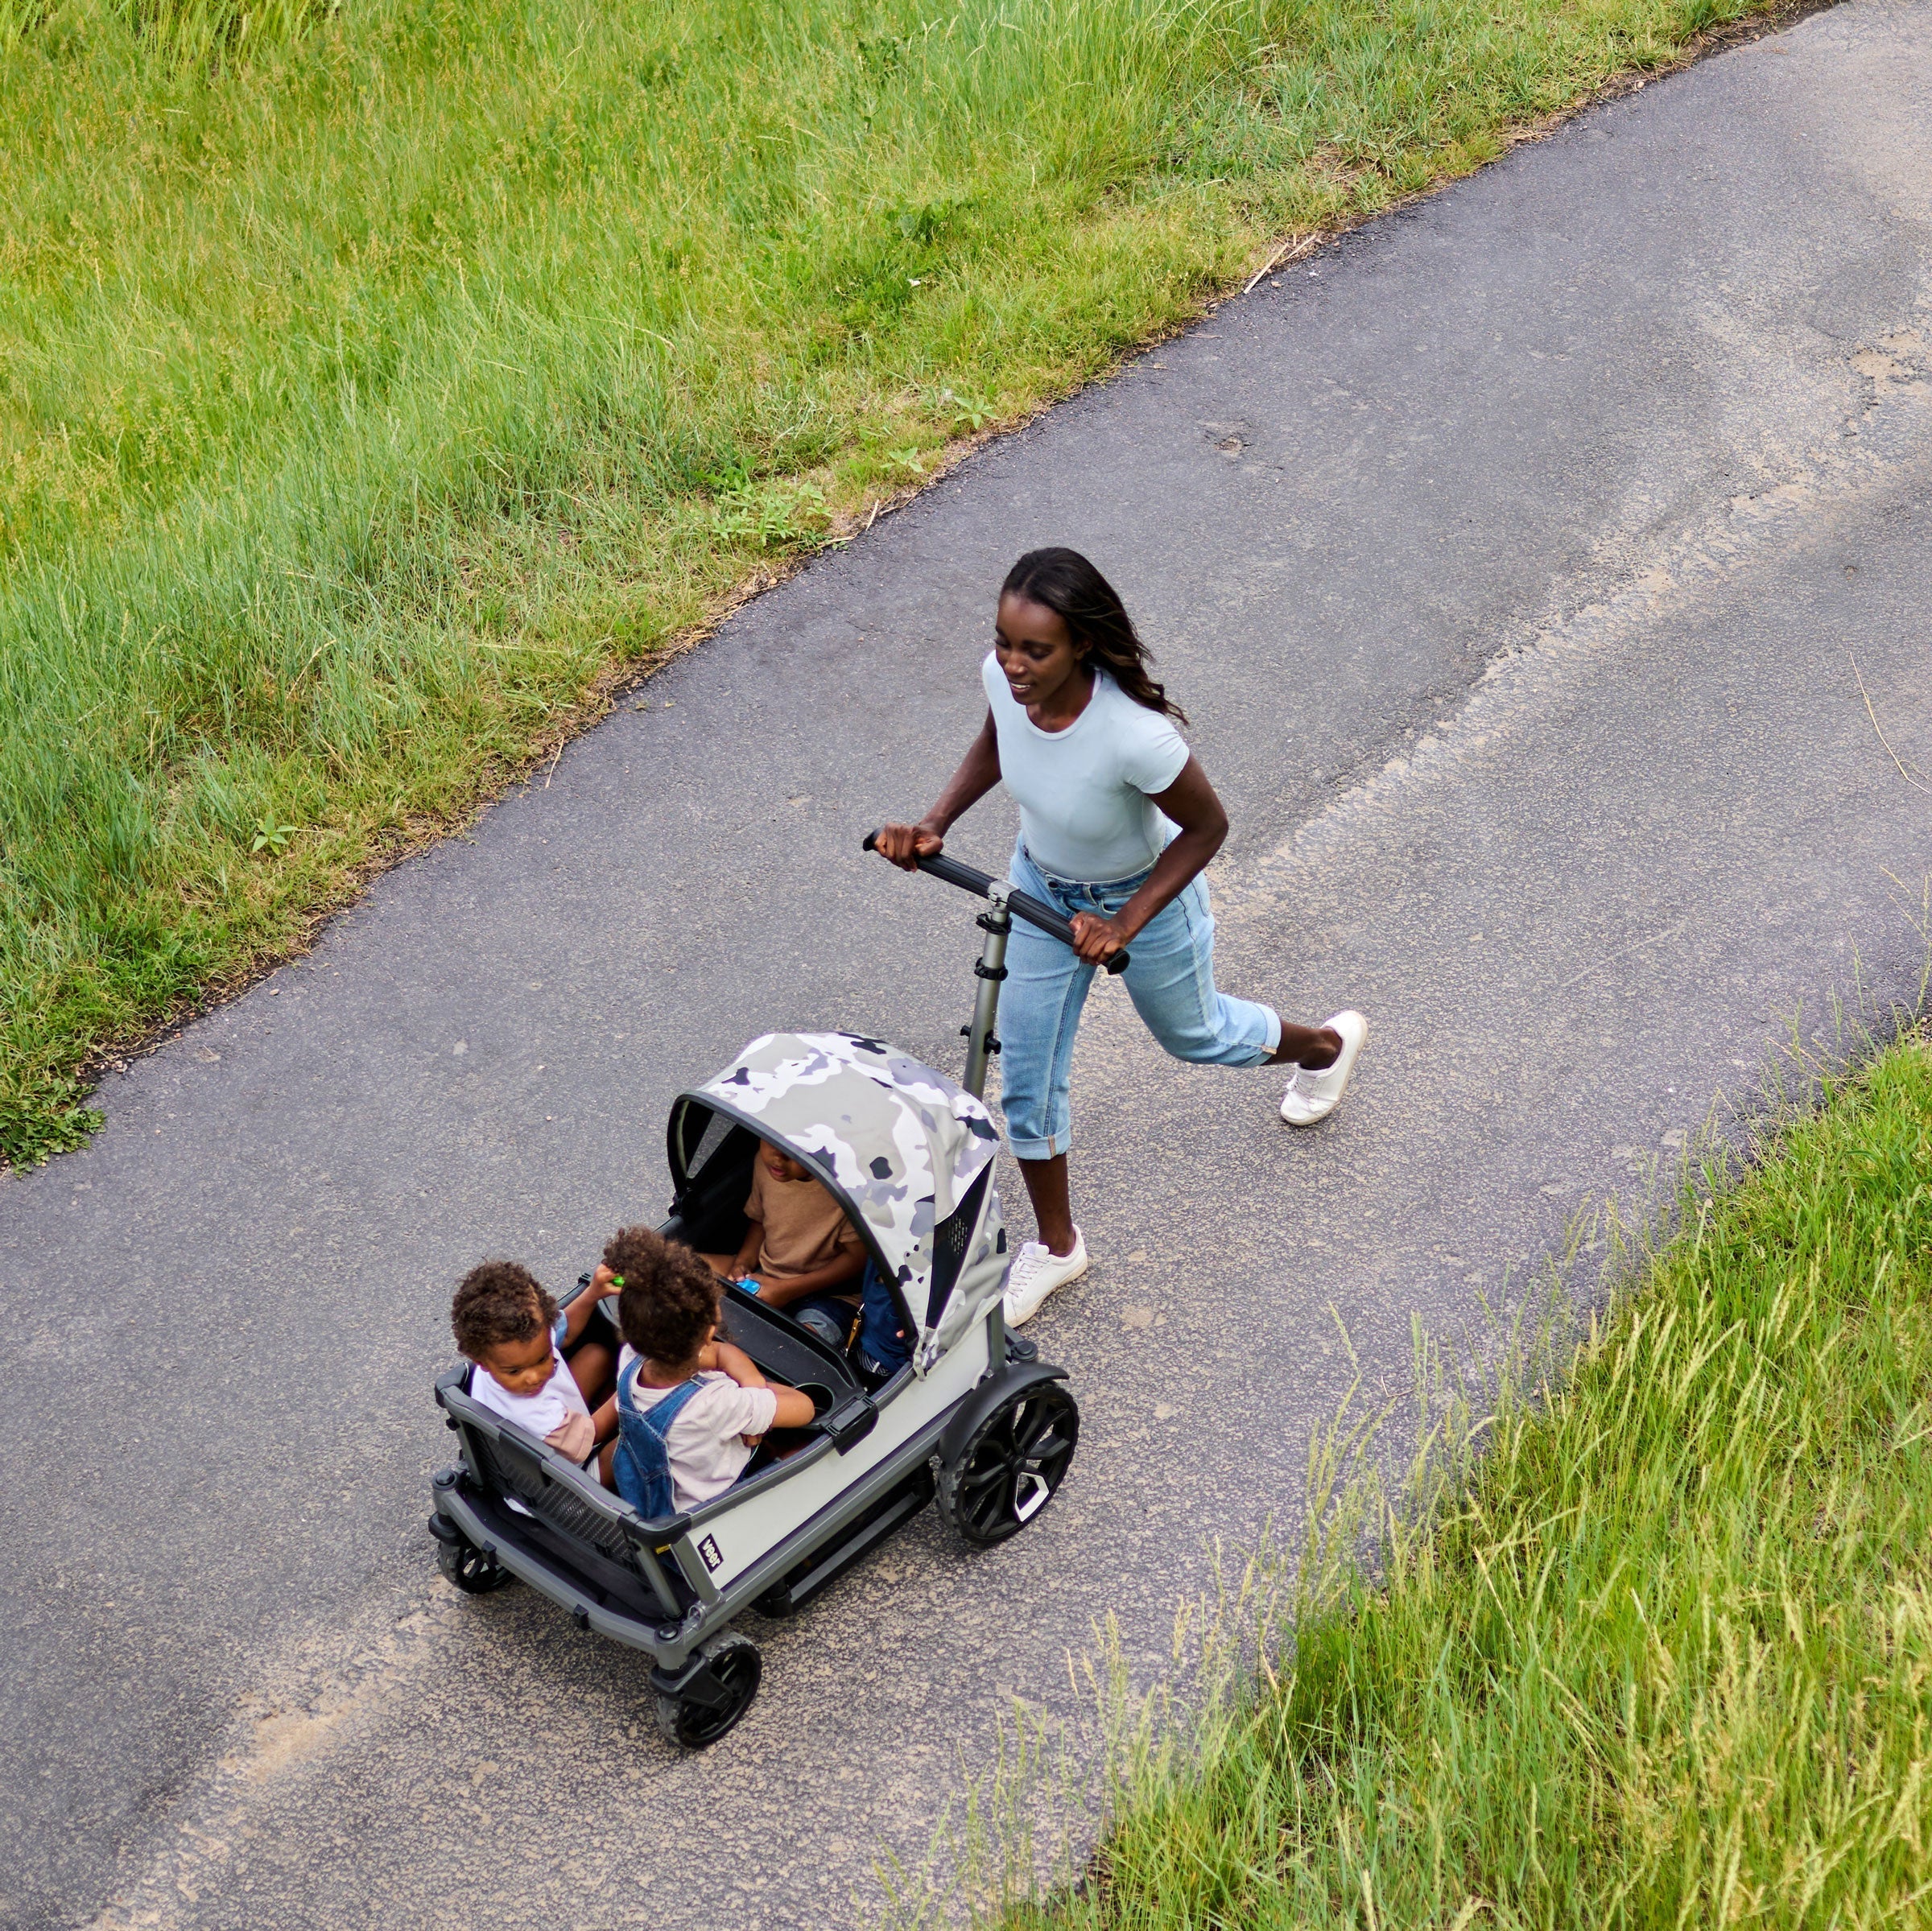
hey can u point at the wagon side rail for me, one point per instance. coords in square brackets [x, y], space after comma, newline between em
[608, 1537]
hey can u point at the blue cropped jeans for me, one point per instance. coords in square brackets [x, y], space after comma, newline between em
[1170, 979]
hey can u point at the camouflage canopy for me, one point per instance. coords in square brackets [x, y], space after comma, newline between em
[909, 1152]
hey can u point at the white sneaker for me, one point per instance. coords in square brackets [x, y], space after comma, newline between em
[1313, 1096]
[1037, 1271]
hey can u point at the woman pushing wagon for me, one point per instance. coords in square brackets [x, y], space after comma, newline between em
[1117, 822]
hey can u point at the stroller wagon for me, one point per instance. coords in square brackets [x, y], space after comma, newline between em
[974, 1418]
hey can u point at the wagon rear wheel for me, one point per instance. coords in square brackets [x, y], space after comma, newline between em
[716, 1697]
[1011, 1464]
[473, 1570]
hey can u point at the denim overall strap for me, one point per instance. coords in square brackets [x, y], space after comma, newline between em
[882, 1340]
[641, 1465]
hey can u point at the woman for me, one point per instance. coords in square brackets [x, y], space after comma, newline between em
[1117, 820]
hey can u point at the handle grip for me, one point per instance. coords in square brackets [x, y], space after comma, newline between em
[1023, 905]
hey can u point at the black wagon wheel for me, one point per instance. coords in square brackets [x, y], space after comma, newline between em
[473, 1570]
[1011, 1464]
[719, 1695]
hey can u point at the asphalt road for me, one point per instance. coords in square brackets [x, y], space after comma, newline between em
[1511, 558]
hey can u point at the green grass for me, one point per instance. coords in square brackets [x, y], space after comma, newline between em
[1660, 1654]
[374, 377]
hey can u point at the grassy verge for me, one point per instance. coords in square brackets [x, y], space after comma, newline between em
[1659, 1655]
[375, 377]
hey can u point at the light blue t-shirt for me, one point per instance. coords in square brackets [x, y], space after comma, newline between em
[1085, 813]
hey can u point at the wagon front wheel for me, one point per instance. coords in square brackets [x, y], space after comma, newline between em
[1011, 1464]
[710, 1699]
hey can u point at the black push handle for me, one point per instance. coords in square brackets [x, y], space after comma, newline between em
[1035, 911]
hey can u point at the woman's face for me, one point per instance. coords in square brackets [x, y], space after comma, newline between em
[1036, 654]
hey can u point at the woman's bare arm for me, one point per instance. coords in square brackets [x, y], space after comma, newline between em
[978, 772]
[1191, 802]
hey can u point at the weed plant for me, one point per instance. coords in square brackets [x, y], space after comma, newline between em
[1656, 1650]
[375, 376]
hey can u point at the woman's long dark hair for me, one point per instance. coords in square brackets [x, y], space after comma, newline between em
[1065, 582]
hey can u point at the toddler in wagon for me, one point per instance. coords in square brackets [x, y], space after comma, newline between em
[511, 1328]
[689, 1408]
[800, 1250]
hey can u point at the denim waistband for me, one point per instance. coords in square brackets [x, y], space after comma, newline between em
[1085, 884]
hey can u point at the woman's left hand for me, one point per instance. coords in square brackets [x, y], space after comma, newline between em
[1095, 940]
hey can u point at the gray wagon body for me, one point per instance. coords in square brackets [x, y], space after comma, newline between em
[909, 1155]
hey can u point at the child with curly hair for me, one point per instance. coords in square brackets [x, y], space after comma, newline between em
[691, 1408]
[508, 1324]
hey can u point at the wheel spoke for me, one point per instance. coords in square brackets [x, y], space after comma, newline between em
[1032, 1421]
[1030, 1496]
[1042, 1415]
[734, 1670]
[981, 1473]
[996, 1503]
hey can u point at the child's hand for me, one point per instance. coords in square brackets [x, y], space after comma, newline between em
[575, 1439]
[603, 1283]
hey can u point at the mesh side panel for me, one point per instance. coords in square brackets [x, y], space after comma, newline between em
[950, 1240]
[515, 1472]
[573, 1514]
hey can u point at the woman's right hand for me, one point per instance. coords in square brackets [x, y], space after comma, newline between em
[906, 844]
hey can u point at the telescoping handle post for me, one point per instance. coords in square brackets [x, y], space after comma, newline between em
[982, 1042]
[996, 922]
[1023, 905]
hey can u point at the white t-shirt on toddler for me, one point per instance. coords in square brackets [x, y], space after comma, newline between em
[543, 1412]
[1085, 811]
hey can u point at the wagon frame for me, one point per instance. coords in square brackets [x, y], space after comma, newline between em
[975, 1420]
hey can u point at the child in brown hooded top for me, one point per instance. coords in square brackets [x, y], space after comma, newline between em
[800, 1251]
